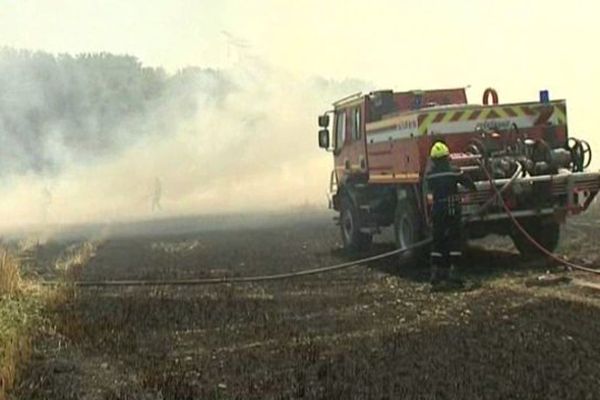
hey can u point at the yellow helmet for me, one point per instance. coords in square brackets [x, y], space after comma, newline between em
[439, 150]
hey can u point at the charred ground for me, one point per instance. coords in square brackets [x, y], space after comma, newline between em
[373, 331]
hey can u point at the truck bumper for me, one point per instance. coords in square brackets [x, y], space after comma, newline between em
[557, 195]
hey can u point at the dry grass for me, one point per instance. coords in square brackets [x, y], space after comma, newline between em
[19, 316]
[22, 303]
[70, 263]
[10, 277]
[75, 258]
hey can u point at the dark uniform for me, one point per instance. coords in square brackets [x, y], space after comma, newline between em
[442, 181]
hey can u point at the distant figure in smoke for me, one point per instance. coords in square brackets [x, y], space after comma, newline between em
[156, 195]
[46, 203]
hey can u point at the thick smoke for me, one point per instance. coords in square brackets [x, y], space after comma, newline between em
[99, 137]
[59, 109]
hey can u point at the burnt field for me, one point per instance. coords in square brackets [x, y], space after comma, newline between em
[369, 332]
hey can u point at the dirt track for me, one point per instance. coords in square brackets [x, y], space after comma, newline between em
[368, 332]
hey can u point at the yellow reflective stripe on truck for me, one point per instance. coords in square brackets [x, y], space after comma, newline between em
[483, 113]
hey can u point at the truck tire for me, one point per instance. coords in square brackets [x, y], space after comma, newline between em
[546, 234]
[408, 231]
[352, 237]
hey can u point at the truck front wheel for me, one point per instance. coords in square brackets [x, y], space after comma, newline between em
[353, 238]
[546, 234]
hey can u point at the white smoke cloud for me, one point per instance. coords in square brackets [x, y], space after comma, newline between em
[242, 139]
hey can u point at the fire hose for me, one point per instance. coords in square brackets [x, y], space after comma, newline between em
[243, 279]
[274, 277]
[498, 193]
[337, 267]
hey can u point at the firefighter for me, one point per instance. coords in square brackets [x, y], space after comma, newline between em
[442, 182]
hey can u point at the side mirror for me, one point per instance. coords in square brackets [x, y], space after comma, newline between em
[323, 121]
[324, 139]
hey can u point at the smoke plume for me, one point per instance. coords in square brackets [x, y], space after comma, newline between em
[99, 137]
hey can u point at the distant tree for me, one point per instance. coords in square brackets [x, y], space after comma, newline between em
[61, 107]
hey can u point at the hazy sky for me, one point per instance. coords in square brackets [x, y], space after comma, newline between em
[517, 46]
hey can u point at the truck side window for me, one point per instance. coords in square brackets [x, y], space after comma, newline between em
[340, 129]
[350, 132]
[357, 124]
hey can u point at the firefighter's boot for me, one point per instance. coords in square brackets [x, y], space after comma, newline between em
[437, 271]
[439, 274]
[455, 280]
[454, 275]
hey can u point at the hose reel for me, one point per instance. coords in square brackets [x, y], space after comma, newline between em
[581, 154]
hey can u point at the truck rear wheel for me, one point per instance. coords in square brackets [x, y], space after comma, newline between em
[352, 237]
[407, 231]
[546, 234]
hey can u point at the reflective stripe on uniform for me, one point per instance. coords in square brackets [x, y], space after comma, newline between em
[456, 253]
[443, 174]
[454, 198]
[435, 254]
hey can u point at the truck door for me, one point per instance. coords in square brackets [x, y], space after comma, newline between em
[350, 149]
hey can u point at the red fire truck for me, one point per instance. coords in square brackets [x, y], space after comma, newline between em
[380, 143]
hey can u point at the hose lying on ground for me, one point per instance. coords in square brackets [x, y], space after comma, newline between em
[242, 279]
[336, 267]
